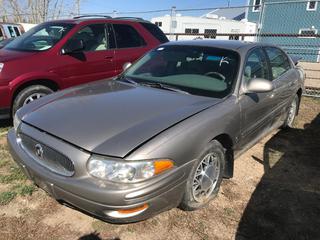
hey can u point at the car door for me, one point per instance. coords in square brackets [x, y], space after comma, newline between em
[95, 62]
[130, 45]
[284, 79]
[256, 108]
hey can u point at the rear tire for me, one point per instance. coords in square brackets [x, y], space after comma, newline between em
[292, 113]
[205, 178]
[29, 94]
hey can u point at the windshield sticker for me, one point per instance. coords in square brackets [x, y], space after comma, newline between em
[213, 58]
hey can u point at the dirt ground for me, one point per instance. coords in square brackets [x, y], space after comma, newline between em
[275, 194]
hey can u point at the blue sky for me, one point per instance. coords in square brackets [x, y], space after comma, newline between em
[106, 6]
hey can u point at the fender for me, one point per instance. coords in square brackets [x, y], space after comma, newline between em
[31, 76]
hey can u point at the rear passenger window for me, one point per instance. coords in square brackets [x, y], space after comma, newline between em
[155, 31]
[256, 66]
[279, 62]
[127, 37]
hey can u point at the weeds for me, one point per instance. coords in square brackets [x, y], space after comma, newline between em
[23, 189]
[16, 174]
[6, 197]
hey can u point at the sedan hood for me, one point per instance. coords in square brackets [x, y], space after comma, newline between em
[113, 118]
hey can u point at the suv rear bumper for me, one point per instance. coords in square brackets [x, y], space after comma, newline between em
[160, 199]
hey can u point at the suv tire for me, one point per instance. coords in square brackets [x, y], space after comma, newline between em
[28, 95]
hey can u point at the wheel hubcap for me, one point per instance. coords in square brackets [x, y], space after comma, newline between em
[206, 177]
[292, 112]
[33, 97]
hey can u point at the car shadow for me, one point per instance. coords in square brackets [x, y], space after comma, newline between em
[286, 202]
[5, 123]
[95, 236]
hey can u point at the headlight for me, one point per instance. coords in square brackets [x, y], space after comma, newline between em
[126, 171]
[1, 66]
[16, 122]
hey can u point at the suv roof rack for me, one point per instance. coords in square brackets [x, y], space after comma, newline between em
[91, 16]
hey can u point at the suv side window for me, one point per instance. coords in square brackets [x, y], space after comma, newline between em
[155, 31]
[127, 37]
[256, 66]
[279, 62]
[93, 37]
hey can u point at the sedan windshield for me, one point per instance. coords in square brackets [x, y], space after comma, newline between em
[204, 71]
[40, 38]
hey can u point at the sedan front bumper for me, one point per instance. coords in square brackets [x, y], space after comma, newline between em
[94, 196]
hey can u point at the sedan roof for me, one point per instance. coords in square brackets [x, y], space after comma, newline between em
[225, 44]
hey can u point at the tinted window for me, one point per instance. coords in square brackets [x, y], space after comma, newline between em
[279, 62]
[17, 31]
[10, 29]
[201, 71]
[256, 66]
[156, 32]
[127, 36]
[93, 37]
[41, 37]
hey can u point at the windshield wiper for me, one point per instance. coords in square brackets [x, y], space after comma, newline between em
[124, 79]
[163, 86]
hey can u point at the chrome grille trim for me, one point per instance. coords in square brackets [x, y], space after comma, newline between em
[51, 158]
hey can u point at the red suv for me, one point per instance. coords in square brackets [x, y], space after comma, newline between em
[60, 54]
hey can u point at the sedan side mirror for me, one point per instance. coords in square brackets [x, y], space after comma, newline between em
[73, 46]
[259, 85]
[126, 66]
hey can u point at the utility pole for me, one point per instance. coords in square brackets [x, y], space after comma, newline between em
[173, 22]
[78, 7]
[229, 3]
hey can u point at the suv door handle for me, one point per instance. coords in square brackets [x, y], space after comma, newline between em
[108, 57]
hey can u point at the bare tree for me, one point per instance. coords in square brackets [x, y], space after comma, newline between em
[36, 11]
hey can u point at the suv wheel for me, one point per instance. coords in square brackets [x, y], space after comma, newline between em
[29, 95]
[205, 179]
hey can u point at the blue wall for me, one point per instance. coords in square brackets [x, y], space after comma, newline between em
[289, 18]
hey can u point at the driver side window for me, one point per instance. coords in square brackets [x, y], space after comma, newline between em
[93, 37]
[256, 66]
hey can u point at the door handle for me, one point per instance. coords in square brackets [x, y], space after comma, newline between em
[108, 57]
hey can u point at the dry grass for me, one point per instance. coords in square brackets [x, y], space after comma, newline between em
[275, 194]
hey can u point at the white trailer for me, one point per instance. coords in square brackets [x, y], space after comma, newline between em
[206, 25]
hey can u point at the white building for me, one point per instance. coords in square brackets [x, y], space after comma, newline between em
[207, 24]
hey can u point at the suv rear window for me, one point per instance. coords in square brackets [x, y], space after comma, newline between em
[155, 31]
[127, 36]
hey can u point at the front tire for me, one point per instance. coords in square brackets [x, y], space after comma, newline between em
[205, 178]
[292, 113]
[29, 94]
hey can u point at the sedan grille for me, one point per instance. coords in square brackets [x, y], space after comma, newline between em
[47, 157]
